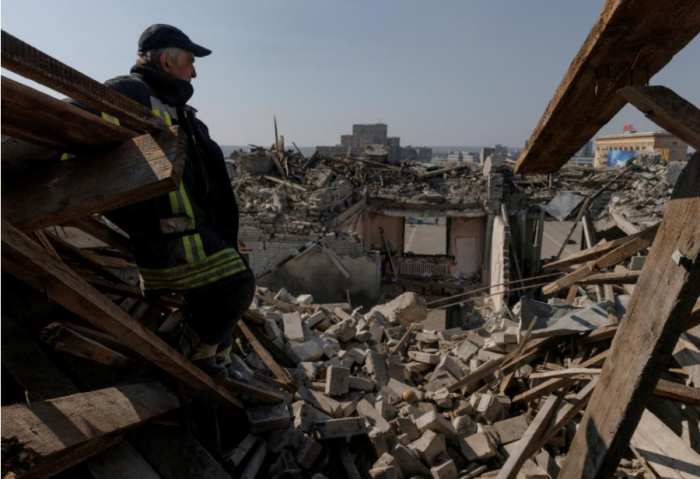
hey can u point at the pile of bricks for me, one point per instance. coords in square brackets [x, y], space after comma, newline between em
[379, 396]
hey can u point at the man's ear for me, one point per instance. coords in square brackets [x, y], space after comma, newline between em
[164, 62]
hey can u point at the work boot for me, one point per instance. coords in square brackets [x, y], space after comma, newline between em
[236, 368]
[204, 358]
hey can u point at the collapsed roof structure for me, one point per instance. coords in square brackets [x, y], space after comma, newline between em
[516, 387]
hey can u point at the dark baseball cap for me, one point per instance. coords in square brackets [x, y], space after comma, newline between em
[166, 36]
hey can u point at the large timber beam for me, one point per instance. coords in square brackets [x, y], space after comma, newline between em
[36, 117]
[668, 110]
[31, 63]
[138, 169]
[45, 438]
[630, 42]
[26, 260]
[664, 296]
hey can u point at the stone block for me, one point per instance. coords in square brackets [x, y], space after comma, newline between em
[303, 352]
[465, 350]
[268, 418]
[510, 430]
[377, 439]
[443, 398]
[344, 427]
[337, 381]
[489, 407]
[293, 329]
[437, 423]
[365, 409]
[429, 446]
[271, 329]
[376, 366]
[362, 384]
[388, 472]
[446, 470]
[315, 318]
[530, 470]
[305, 416]
[407, 426]
[464, 426]
[424, 357]
[307, 452]
[477, 447]
[408, 463]
[450, 365]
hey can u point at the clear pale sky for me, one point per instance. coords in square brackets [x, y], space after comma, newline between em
[439, 73]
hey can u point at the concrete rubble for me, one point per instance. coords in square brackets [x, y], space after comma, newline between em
[379, 395]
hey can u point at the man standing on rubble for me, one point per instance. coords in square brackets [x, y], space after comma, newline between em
[186, 241]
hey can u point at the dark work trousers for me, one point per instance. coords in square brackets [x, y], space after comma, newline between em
[213, 313]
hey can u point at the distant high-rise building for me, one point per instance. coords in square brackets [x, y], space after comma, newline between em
[346, 141]
[367, 135]
[501, 151]
[586, 151]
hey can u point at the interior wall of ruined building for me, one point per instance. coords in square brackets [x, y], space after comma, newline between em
[499, 261]
[315, 273]
[466, 244]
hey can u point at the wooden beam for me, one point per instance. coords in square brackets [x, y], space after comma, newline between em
[31, 63]
[662, 301]
[677, 392]
[138, 169]
[525, 447]
[29, 366]
[666, 453]
[59, 433]
[668, 110]
[64, 339]
[628, 277]
[591, 253]
[36, 117]
[26, 260]
[104, 233]
[84, 258]
[629, 43]
[612, 258]
[265, 356]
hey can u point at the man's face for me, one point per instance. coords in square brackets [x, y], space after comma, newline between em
[182, 69]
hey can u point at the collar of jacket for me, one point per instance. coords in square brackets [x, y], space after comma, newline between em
[171, 90]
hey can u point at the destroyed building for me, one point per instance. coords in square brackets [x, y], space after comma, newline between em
[574, 364]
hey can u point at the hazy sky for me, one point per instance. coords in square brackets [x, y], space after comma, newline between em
[448, 72]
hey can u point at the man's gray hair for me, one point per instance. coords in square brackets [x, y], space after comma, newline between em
[150, 58]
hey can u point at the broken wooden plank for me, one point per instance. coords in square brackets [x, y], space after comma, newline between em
[612, 258]
[628, 277]
[663, 450]
[59, 432]
[555, 384]
[30, 115]
[64, 339]
[525, 447]
[678, 392]
[571, 373]
[590, 253]
[31, 63]
[670, 111]
[663, 298]
[138, 169]
[266, 357]
[26, 260]
[84, 258]
[94, 227]
[587, 99]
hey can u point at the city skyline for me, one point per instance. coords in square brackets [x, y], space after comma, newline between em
[453, 73]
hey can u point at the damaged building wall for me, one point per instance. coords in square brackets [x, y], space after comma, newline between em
[315, 273]
[372, 225]
[500, 239]
[467, 245]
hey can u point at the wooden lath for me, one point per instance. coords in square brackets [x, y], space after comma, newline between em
[34, 64]
[138, 169]
[630, 42]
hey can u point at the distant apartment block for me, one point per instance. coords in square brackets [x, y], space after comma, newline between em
[668, 146]
[366, 138]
